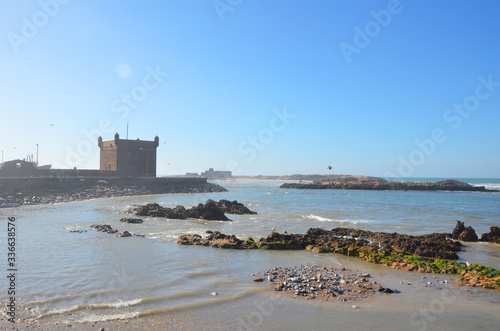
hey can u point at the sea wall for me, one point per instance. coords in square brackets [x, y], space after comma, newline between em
[40, 190]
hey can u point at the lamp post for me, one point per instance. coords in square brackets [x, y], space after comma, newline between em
[2, 157]
[36, 154]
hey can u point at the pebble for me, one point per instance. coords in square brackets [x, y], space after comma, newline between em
[319, 282]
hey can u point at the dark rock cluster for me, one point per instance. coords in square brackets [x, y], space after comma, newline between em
[132, 220]
[106, 228]
[234, 207]
[493, 236]
[464, 233]
[211, 210]
[217, 240]
[346, 241]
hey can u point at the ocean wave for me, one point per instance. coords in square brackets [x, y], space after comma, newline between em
[52, 300]
[114, 305]
[72, 228]
[325, 219]
[489, 186]
[105, 318]
[196, 305]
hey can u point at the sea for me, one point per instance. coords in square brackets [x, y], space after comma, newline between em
[68, 273]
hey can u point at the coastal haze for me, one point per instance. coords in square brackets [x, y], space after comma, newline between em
[376, 115]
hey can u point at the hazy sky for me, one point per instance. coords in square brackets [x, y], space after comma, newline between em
[384, 88]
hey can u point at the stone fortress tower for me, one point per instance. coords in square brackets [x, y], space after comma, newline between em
[134, 158]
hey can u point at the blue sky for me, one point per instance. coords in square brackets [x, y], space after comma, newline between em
[383, 88]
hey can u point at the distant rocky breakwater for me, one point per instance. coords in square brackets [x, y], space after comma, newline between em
[429, 253]
[32, 191]
[385, 185]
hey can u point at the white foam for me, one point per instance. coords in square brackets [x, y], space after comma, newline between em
[489, 186]
[124, 304]
[321, 219]
[325, 219]
[104, 318]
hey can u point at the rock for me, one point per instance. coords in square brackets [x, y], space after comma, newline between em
[323, 241]
[233, 207]
[463, 233]
[155, 210]
[124, 234]
[194, 239]
[209, 211]
[104, 228]
[258, 279]
[385, 290]
[279, 287]
[131, 220]
[493, 236]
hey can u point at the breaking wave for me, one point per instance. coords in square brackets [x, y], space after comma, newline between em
[325, 219]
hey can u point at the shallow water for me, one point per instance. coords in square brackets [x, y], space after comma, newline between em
[93, 276]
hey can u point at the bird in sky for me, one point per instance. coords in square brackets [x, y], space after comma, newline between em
[51, 124]
[329, 167]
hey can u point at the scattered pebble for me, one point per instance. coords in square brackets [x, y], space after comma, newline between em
[319, 282]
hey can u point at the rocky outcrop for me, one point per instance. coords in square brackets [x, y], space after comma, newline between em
[211, 210]
[346, 241]
[464, 233]
[155, 210]
[234, 207]
[425, 253]
[108, 229]
[435, 245]
[104, 228]
[384, 185]
[216, 239]
[493, 236]
[132, 220]
[208, 211]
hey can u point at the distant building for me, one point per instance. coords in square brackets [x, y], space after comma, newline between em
[211, 174]
[18, 168]
[192, 174]
[128, 157]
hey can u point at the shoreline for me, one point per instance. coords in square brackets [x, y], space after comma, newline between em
[12, 197]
